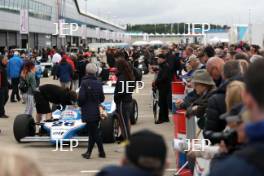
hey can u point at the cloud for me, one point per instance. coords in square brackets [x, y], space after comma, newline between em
[168, 11]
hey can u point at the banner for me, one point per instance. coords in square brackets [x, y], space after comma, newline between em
[97, 33]
[24, 26]
[84, 31]
[242, 33]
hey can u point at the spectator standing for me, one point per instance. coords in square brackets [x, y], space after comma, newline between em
[81, 65]
[38, 72]
[123, 95]
[56, 58]
[249, 160]
[203, 85]
[214, 67]
[90, 97]
[14, 68]
[3, 86]
[216, 103]
[162, 83]
[75, 74]
[207, 53]
[110, 58]
[193, 64]
[28, 74]
[64, 73]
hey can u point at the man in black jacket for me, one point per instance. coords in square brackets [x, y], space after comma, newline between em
[216, 103]
[50, 93]
[162, 83]
[3, 87]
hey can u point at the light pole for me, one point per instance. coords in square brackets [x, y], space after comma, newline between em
[250, 26]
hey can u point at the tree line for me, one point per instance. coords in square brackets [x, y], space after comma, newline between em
[168, 28]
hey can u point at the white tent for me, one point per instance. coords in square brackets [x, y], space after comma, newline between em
[140, 43]
[156, 42]
[217, 39]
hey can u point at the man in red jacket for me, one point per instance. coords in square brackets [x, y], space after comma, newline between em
[69, 61]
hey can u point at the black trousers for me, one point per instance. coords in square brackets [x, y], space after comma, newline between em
[124, 109]
[169, 99]
[3, 99]
[38, 81]
[164, 107]
[15, 91]
[95, 136]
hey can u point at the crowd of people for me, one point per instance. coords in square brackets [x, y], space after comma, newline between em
[224, 85]
[224, 92]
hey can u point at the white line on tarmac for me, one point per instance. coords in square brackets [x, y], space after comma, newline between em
[96, 171]
[89, 171]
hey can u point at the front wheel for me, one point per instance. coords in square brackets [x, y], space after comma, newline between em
[156, 110]
[134, 115]
[110, 129]
[24, 126]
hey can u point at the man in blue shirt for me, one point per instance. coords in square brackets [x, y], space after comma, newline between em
[14, 68]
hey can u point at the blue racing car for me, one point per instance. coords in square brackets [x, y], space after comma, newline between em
[67, 124]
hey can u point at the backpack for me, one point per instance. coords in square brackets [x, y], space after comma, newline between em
[23, 85]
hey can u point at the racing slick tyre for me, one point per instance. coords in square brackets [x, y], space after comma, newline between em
[156, 110]
[110, 129]
[134, 116]
[24, 125]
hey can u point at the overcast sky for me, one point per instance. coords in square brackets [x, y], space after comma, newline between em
[169, 11]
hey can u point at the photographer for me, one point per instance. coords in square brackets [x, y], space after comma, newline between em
[216, 103]
[249, 160]
[233, 137]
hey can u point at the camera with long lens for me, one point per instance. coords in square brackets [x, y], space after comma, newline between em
[230, 137]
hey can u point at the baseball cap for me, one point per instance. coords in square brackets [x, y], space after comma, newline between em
[147, 150]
